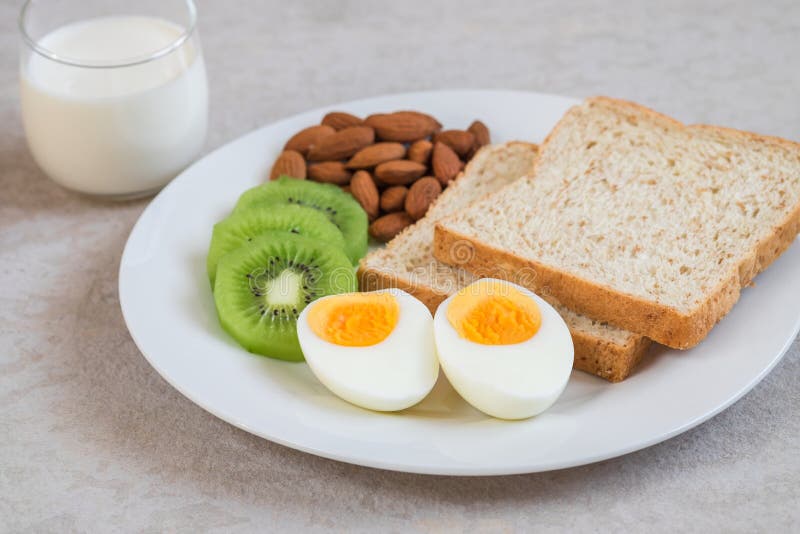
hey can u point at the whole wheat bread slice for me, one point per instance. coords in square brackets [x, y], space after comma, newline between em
[630, 217]
[407, 262]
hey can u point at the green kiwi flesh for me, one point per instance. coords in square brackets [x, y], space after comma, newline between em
[242, 227]
[342, 209]
[262, 286]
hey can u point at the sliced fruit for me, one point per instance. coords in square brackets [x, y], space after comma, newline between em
[262, 286]
[341, 208]
[243, 227]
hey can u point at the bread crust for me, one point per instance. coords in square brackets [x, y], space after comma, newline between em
[373, 279]
[658, 322]
[593, 355]
[607, 360]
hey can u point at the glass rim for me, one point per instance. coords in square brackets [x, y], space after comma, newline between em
[36, 47]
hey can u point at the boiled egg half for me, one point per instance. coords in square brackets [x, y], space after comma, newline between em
[505, 350]
[375, 349]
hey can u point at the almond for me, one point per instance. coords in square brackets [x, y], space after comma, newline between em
[381, 185]
[303, 139]
[481, 133]
[289, 163]
[460, 141]
[420, 151]
[339, 120]
[342, 144]
[399, 172]
[366, 193]
[421, 195]
[445, 163]
[386, 227]
[376, 154]
[329, 172]
[403, 126]
[394, 198]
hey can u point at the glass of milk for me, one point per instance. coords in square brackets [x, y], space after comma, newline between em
[114, 93]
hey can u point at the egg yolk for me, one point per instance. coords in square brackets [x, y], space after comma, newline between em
[355, 319]
[492, 313]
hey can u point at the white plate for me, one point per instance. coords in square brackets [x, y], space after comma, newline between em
[169, 310]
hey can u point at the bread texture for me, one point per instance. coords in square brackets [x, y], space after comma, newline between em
[630, 217]
[407, 262]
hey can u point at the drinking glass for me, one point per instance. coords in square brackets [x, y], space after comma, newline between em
[113, 93]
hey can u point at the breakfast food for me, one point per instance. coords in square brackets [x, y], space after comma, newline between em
[375, 350]
[584, 255]
[403, 126]
[445, 163]
[376, 154]
[341, 145]
[335, 204]
[366, 193]
[339, 120]
[420, 196]
[505, 350]
[305, 138]
[393, 198]
[329, 172]
[381, 158]
[386, 227]
[244, 226]
[399, 172]
[407, 262]
[262, 287]
[287, 243]
[633, 218]
[289, 163]
[481, 133]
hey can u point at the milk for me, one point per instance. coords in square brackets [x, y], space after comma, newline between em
[115, 130]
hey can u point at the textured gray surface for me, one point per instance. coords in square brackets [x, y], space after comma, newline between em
[92, 439]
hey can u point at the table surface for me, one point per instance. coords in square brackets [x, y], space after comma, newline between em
[94, 440]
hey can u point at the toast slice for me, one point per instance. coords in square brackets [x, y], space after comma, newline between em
[407, 262]
[630, 217]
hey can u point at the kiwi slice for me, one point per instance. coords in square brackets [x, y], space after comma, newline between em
[262, 286]
[342, 209]
[242, 227]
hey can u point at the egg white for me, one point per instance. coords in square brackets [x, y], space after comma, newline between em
[508, 381]
[391, 375]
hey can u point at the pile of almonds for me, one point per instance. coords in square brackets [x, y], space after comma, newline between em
[394, 164]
